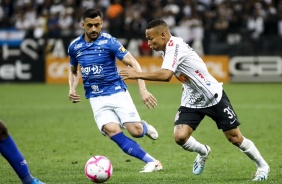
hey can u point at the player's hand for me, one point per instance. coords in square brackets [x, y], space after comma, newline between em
[148, 99]
[129, 73]
[74, 98]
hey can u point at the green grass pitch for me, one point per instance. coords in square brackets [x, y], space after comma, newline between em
[57, 137]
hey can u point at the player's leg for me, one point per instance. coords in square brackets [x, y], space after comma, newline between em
[109, 123]
[227, 120]
[10, 152]
[141, 128]
[249, 148]
[131, 147]
[186, 121]
[128, 113]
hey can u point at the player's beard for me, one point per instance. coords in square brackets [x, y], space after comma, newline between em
[93, 36]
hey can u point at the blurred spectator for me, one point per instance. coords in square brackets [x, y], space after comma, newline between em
[173, 9]
[6, 13]
[53, 24]
[169, 18]
[40, 26]
[87, 4]
[21, 22]
[270, 18]
[221, 23]
[129, 10]
[145, 49]
[171, 12]
[65, 22]
[234, 29]
[138, 25]
[114, 14]
[193, 28]
[279, 24]
[255, 24]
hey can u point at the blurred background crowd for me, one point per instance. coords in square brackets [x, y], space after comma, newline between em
[234, 27]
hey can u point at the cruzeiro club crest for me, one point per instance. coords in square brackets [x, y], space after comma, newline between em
[95, 88]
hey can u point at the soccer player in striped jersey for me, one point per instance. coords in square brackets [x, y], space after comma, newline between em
[10, 151]
[96, 52]
[202, 96]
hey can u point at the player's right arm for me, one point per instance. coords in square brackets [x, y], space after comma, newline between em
[73, 76]
[73, 82]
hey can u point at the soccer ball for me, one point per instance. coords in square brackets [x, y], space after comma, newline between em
[98, 169]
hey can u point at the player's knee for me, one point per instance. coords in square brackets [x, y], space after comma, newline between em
[3, 130]
[137, 133]
[135, 129]
[234, 136]
[111, 129]
[180, 139]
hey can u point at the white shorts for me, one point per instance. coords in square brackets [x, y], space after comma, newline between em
[116, 108]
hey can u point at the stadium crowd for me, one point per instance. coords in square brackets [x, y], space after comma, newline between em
[211, 24]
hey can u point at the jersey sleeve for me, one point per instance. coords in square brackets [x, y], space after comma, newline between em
[73, 61]
[118, 48]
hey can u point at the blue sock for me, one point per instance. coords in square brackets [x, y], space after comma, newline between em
[130, 147]
[10, 152]
[144, 130]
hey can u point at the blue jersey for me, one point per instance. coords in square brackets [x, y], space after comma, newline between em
[97, 62]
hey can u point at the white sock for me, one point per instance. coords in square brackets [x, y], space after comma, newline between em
[249, 148]
[149, 156]
[194, 146]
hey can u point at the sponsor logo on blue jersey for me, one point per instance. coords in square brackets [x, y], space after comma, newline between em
[94, 69]
[102, 42]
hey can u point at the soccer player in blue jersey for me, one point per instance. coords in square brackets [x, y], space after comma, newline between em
[9, 150]
[96, 52]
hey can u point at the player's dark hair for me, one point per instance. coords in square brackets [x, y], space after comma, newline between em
[155, 23]
[91, 13]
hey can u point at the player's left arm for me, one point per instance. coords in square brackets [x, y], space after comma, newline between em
[165, 74]
[148, 99]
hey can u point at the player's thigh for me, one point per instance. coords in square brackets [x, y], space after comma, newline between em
[125, 108]
[104, 113]
[182, 132]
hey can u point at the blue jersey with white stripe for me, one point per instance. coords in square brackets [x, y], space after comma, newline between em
[97, 62]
